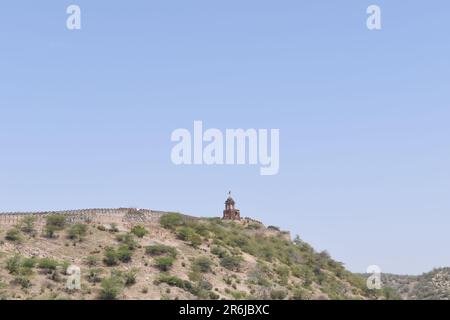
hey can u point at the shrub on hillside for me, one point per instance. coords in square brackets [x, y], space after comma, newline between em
[29, 263]
[13, 235]
[139, 231]
[13, 264]
[184, 233]
[283, 271]
[278, 294]
[176, 282]
[164, 263]
[54, 223]
[202, 264]
[111, 287]
[195, 240]
[110, 257]
[47, 264]
[27, 224]
[300, 294]
[219, 251]
[57, 220]
[232, 263]
[127, 239]
[124, 253]
[160, 249]
[188, 234]
[77, 231]
[129, 277]
[171, 220]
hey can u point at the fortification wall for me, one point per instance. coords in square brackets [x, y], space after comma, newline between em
[99, 215]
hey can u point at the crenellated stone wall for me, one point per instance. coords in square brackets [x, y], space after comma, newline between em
[99, 215]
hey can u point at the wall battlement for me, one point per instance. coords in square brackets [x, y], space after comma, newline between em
[99, 215]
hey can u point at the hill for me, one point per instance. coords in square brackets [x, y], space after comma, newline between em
[433, 285]
[163, 256]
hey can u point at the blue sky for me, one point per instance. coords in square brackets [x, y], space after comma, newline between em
[86, 116]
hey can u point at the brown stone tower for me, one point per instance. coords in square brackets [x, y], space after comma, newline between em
[230, 212]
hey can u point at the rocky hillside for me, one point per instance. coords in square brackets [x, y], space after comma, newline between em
[177, 257]
[434, 285]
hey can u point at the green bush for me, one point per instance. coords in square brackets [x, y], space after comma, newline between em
[283, 271]
[278, 294]
[130, 277]
[164, 263]
[124, 253]
[171, 220]
[175, 282]
[77, 231]
[47, 264]
[139, 231]
[300, 294]
[232, 263]
[110, 257]
[195, 240]
[219, 251]
[29, 263]
[57, 220]
[238, 295]
[111, 287]
[50, 231]
[214, 296]
[127, 239]
[185, 233]
[27, 224]
[160, 249]
[189, 234]
[13, 264]
[202, 264]
[13, 235]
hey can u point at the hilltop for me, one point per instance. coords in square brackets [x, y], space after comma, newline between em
[141, 255]
[433, 285]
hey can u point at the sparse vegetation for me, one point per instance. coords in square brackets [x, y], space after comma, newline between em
[124, 253]
[47, 264]
[127, 239]
[278, 294]
[110, 257]
[54, 224]
[160, 249]
[13, 235]
[111, 287]
[171, 220]
[130, 277]
[232, 263]
[202, 264]
[212, 254]
[164, 263]
[77, 231]
[27, 224]
[139, 231]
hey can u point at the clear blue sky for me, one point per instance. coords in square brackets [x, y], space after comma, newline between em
[86, 116]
